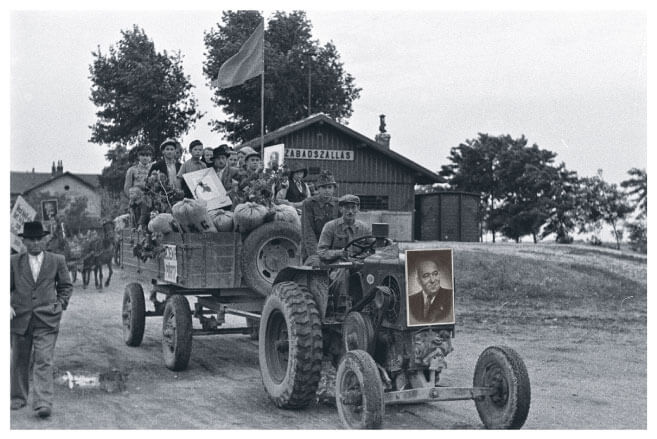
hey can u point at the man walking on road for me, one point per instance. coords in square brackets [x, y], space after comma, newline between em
[40, 290]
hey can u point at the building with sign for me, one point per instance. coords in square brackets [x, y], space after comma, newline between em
[382, 178]
[57, 182]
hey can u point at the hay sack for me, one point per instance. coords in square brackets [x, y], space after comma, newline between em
[287, 214]
[248, 216]
[222, 220]
[192, 216]
[161, 223]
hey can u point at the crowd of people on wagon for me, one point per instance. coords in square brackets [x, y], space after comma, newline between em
[153, 187]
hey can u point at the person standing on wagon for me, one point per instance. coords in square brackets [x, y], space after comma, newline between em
[169, 165]
[40, 288]
[137, 174]
[193, 164]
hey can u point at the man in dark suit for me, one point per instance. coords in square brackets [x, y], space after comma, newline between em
[40, 290]
[434, 304]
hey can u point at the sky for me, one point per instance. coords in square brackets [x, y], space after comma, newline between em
[571, 81]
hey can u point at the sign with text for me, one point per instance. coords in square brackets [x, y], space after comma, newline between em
[170, 263]
[20, 214]
[319, 154]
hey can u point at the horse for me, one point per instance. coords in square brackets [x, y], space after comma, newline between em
[58, 244]
[98, 252]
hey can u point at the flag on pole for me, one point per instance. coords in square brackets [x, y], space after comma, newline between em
[248, 63]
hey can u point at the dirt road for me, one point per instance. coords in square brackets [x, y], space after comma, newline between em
[583, 376]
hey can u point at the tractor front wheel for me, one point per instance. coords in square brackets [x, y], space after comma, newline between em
[290, 346]
[359, 391]
[502, 368]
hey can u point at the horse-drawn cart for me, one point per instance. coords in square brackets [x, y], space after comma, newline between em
[226, 272]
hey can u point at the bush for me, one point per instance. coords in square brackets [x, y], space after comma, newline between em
[638, 236]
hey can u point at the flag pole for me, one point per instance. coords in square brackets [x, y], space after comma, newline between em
[262, 116]
[262, 97]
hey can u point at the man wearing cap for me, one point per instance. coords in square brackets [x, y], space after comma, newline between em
[295, 191]
[227, 174]
[316, 212]
[252, 171]
[40, 288]
[169, 165]
[337, 233]
[137, 174]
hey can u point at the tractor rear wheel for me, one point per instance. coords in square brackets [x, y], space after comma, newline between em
[359, 391]
[290, 346]
[502, 368]
[177, 333]
[133, 314]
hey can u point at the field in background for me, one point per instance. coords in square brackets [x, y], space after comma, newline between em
[577, 285]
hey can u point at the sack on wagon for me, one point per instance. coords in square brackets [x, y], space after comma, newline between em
[287, 214]
[222, 220]
[192, 216]
[249, 215]
[162, 223]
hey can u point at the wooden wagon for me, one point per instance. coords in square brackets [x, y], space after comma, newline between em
[227, 272]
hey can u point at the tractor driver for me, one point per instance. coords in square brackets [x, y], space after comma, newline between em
[337, 233]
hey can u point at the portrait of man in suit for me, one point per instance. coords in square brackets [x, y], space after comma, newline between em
[429, 285]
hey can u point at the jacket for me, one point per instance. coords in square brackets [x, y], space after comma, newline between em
[44, 299]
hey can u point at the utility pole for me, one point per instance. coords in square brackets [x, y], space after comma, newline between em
[309, 82]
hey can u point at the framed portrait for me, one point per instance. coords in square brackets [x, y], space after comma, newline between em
[274, 156]
[205, 185]
[49, 210]
[429, 287]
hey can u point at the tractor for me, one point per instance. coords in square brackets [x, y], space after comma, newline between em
[361, 327]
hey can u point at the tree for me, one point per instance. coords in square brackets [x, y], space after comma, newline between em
[474, 168]
[526, 176]
[143, 97]
[291, 57]
[564, 207]
[604, 203]
[637, 186]
[515, 181]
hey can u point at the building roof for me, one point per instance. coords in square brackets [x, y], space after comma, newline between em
[423, 175]
[22, 182]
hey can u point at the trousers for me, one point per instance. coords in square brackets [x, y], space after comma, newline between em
[39, 340]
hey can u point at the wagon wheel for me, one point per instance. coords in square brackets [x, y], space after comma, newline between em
[267, 250]
[133, 314]
[177, 333]
[290, 347]
[502, 368]
[359, 391]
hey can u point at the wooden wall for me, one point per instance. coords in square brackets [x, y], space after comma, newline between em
[370, 173]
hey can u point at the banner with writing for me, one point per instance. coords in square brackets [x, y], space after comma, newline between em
[319, 154]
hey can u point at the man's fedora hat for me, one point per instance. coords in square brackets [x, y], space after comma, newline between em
[325, 179]
[248, 152]
[33, 229]
[297, 168]
[221, 150]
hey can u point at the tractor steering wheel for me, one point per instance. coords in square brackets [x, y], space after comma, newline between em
[365, 248]
[363, 244]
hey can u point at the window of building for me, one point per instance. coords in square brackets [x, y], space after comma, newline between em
[67, 187]
[373, 202]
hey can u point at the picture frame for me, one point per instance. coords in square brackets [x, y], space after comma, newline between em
[205, 185]
[429, 287]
